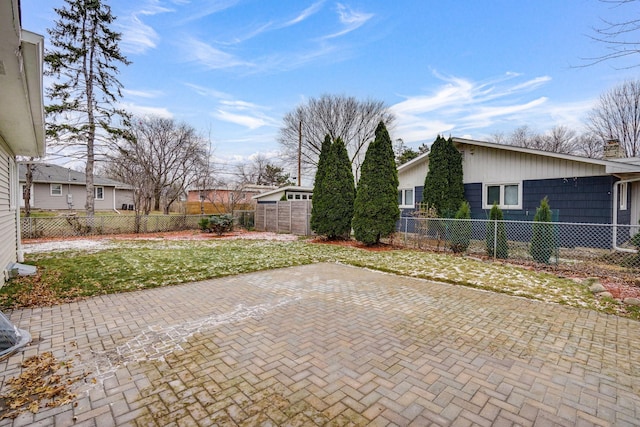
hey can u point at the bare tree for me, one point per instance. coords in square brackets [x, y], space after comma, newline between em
[621, 39]
[498, 138]
[617, 117]
[589, 145]
[339, 116]
[560, 139]
[522, 137]
[161, 158]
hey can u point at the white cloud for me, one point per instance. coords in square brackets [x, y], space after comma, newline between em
[250, 122]
[350, 20]
[463, 105]
[208, 8]
[209, 56]
[311, 10]
[142, 93]
[141, 110]
[138, 37]
[208, 92]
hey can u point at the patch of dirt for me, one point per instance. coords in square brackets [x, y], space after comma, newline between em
[379, 247]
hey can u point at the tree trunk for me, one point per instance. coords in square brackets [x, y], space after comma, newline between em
[26, 195]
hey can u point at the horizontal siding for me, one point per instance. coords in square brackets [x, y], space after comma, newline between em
[483, 164]
[7, 216]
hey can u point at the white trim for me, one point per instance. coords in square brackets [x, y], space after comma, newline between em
[95, 192]
[502, 185]
[51, 193]
[623, 188]
[403, 197]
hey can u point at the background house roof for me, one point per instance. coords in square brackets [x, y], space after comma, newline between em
[54, 174]
[291, 188]
[21, 68]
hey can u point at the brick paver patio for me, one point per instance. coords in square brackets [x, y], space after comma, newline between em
[328, 344]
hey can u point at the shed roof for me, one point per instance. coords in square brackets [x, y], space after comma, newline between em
[54, 174]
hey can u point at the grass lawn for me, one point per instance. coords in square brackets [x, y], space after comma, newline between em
[123, 266]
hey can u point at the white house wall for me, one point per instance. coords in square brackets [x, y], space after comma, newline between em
[8, 228]
[483, 164]
[413, 176]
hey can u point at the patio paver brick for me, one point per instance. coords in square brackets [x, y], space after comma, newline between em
[329, 344]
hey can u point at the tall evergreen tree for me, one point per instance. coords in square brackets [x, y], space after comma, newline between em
[83, 61]
[443, 185]
[376, 207]
[321, 202]
[337, 194]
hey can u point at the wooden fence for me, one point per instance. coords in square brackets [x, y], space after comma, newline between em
[284, 217]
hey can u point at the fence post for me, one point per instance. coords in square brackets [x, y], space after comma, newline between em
[406, 229]
[495, 238]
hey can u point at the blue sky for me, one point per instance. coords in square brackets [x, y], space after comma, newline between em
[467, 68]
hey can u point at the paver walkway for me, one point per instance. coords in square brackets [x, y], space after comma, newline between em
[327, 344]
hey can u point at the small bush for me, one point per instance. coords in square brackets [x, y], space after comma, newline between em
[542, 242]
[461, 229]
[496, 247]
[218, 224]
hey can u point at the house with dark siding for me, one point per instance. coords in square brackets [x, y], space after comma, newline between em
[579, 189]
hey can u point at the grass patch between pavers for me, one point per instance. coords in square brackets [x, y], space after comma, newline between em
[132, 265]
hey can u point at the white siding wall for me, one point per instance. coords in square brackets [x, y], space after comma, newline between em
[414, 175]
[490, 165]
[483, 164]
[8, 228]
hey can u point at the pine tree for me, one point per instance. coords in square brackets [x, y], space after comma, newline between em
[542, 242]
[84, 62]
[443, 185]
[376, 208]
[461, 229]
[321, 201]
[334, 210]
[496, 234]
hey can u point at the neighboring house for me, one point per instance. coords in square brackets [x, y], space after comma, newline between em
[579, 189]
[58, 188]
[21, 121]
[243, 195]
[285, 193]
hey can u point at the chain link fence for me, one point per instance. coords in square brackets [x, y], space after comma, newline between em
[542, 242]
[73, 225]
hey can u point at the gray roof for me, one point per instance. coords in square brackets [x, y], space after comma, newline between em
[54, 174]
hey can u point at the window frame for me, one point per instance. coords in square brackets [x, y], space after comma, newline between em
[95, 192]
[502, 185]
[55, 194]
[402, 193]
[622, 196]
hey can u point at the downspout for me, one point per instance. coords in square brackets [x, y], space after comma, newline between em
[114, 201]
[616, 185]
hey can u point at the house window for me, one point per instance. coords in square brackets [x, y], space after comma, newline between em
[99, 193]
[622, 196]
[289, 196]
[56, 189]
[506, 196]
[405, 197]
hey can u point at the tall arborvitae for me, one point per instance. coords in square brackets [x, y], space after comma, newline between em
[331, 214]
[320, 199]
[376, 206]
[443, 186]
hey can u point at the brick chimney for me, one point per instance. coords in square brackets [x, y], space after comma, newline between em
[613, 150]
